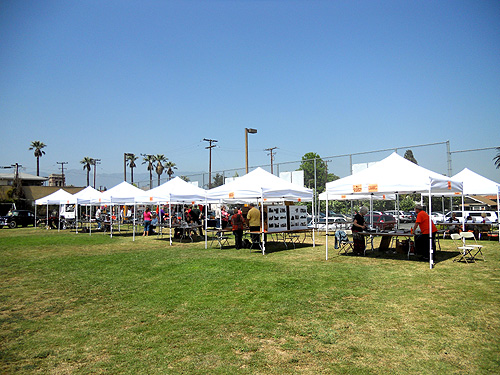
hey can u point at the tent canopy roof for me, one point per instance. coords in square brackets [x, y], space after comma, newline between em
[176, 191]
[58, 197]
[390, 175]
[476, 184]
[256, 184]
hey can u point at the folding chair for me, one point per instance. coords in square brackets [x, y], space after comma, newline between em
[477, 247]
[344, 243]
[464, 250]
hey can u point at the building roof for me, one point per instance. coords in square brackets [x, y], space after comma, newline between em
[22, 176]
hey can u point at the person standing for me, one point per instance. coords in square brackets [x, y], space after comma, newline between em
[98, 217]
[237, 223]
[359, 225]
[422, 239]
[253, 217]
[224, 217]
[147, 221]
[195, 216]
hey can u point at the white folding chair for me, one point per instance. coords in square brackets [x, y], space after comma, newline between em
[465, 251]
[477, 247]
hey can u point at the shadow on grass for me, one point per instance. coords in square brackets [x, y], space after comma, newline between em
[440, 256]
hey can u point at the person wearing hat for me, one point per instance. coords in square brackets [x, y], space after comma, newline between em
[422, 239]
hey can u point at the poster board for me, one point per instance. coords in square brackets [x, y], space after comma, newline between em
[277, 218]
[298, 217]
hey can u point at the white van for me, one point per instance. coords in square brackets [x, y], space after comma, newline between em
[67, 211]
[491, 216]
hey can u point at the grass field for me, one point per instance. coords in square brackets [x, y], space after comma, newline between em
[79, 304]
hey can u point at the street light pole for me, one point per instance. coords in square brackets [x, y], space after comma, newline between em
[251, 131]
[210, 160]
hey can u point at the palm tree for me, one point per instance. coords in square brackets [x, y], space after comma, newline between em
[37, 146]
[496, 159]
[87, 162]
[131, 158]
[159, 166]
[150, 159]
[171, 166]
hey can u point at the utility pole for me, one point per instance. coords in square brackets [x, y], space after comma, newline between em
[62, 171]
[271, 149]
[210, 159]
[96, 161]
[326, 170]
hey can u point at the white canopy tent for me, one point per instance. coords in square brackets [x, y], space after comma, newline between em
[123, 193]
[475, 184]
[57, 198]
[85, 197]
[394, 174]
[259, 185]
[177, 191]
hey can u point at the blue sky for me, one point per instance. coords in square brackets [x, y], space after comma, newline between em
[94, 78]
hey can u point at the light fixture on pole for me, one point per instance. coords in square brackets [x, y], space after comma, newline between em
[251, 131]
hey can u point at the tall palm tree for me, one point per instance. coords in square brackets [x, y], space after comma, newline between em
[159, 166]
[496, 159]
[87, 162]
[131, 158]
[150, 159]
[171, 166]
[37, 146]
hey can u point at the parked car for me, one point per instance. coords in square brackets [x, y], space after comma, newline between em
[381, 221]
[491, 216]
[437, 216]
[412, 215]
[403, 216]
[17, 218]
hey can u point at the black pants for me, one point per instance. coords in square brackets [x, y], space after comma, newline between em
[238, 238]
[254, 236]
[422, 244]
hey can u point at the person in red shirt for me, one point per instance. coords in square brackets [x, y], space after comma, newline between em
[422, 239]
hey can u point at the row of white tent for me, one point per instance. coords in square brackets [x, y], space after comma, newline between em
[385, 179]
[256, 186]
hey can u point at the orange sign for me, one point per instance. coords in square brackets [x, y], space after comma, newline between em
[357, 188]
[449, 185]
[150, 199]
[231, 195]
[299, 200]
[343, 197]
[373, 188]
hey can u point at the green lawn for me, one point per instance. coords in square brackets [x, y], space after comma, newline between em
[79, 304]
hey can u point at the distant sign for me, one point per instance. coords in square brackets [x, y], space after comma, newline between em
[295, 177]
[359, 167]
